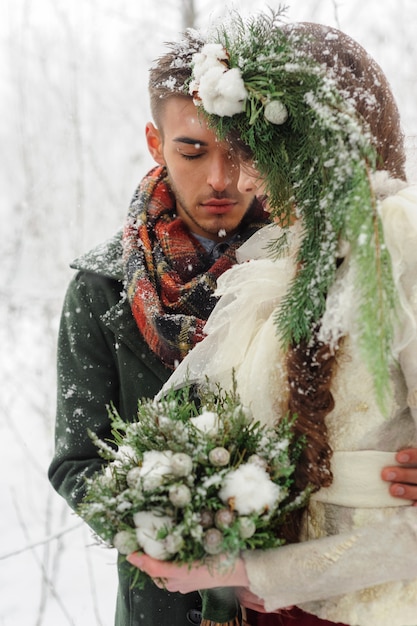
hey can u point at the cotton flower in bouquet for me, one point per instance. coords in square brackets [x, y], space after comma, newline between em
[193, 477]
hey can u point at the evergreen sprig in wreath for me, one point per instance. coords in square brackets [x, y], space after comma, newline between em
[254, 81]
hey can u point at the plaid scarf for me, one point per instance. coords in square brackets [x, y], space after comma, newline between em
[170, 278]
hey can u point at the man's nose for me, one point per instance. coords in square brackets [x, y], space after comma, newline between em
[221, 172]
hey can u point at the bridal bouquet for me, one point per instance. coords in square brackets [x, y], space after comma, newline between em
[193, 478]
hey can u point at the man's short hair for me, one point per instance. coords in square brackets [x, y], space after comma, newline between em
[171, 73]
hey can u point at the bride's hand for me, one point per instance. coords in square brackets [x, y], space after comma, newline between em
[192, 577]
[403, 477]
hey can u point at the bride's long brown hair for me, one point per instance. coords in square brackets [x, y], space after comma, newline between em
[310, 367]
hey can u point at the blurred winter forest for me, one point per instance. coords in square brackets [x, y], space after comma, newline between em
[73, 108]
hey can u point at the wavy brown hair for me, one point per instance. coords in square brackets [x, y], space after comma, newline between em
[311, 367]
[361, 80]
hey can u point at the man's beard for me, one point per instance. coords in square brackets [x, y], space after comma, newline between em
[219, 225]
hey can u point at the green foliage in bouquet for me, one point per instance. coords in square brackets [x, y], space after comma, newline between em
[191, 478]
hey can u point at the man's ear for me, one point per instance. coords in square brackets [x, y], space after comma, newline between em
[154, 141]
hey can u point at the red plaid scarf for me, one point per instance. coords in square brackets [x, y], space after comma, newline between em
[170, 278]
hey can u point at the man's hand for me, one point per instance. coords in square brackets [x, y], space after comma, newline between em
[403, 477]
[250, 601]
[187, 578]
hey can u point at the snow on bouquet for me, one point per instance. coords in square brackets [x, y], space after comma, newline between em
[191, 478]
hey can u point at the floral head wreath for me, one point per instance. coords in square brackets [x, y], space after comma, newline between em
[256, 81]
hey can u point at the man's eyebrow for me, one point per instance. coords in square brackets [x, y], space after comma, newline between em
[190, 141]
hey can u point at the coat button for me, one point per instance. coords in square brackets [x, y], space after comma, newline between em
[194, 616]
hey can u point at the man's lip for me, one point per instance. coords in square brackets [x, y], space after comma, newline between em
[218, 206]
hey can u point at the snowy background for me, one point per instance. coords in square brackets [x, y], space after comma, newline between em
[73, 106]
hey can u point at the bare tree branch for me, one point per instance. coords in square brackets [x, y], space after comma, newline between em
[52, 537]
[188, 14]
[46, 579]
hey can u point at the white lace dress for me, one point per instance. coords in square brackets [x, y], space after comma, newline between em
[361, 568]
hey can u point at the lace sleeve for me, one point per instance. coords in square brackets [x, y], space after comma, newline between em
[331, 566]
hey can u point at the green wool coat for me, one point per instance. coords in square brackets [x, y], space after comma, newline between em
[103, 359]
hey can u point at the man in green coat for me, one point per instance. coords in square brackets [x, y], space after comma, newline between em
[139, 302]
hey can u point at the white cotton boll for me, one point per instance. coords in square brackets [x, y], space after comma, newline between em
[164, 423]
[214, 51]
[123, 506]
[107, 479]
[156, 465]
[149, 520]
[173, 429]
[133, 477]
[222, 92]
[233, 92]
[153, 547]
[126, 453]
[250, 489]
[125, 542]
[208, 87]
[173, 543]
[226, 108]
[207, 422]
[148, 526]
[211, 55]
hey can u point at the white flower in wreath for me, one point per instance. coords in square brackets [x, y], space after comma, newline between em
[148, 525]
[211, 55]
[221, 90]
[249, 489]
